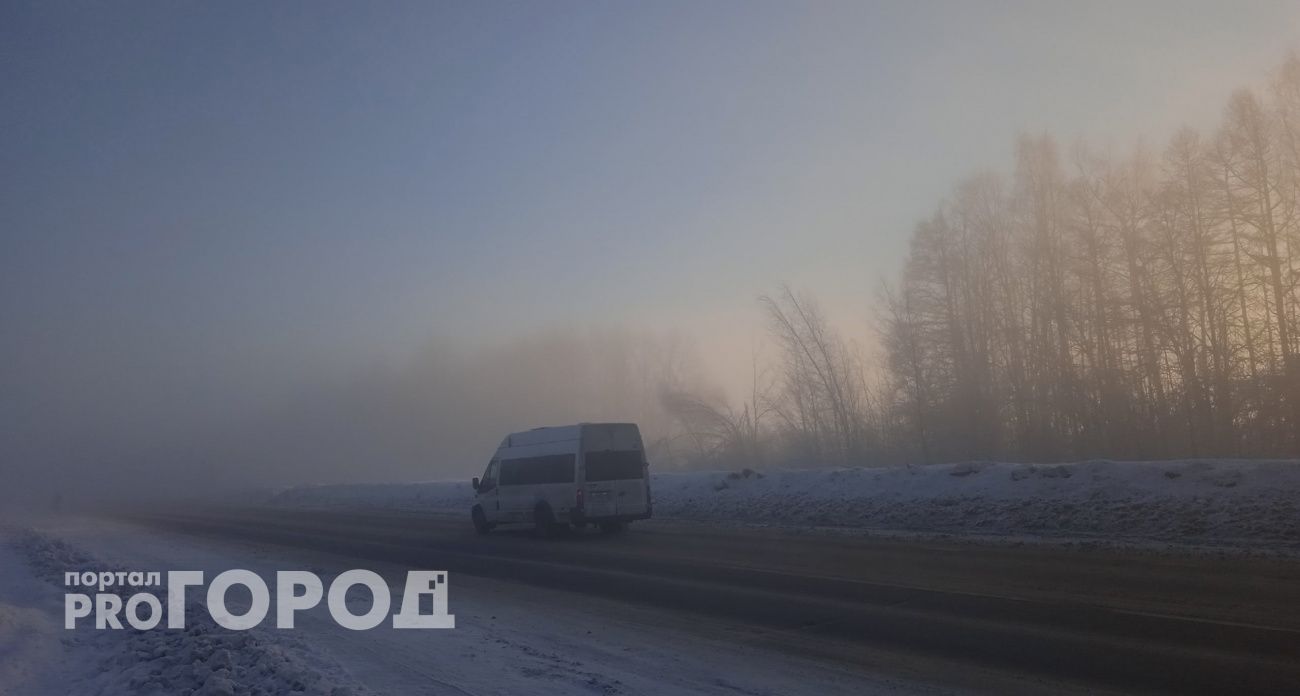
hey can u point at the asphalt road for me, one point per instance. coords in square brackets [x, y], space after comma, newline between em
[1089, 618]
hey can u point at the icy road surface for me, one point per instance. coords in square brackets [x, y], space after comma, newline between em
[509, 638]
[711, 608]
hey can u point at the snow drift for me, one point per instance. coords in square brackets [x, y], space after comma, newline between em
[1219, 501]
[203, 659]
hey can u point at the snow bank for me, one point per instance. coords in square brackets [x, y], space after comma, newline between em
[1256, 501]
[1171, 501]
[203, 659]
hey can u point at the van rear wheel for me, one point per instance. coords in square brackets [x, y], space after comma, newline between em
[481, 525]
[544, 518]
[613, 527]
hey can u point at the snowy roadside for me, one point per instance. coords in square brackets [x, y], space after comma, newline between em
[202, 659]
[1251, 503]
[34, 655]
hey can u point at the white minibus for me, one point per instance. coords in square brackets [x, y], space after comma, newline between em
[589, 473]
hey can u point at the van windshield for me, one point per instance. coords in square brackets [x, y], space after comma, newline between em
[614, 465]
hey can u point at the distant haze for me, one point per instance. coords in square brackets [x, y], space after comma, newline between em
[267, 243]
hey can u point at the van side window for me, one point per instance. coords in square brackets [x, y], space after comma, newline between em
[527, 471]
[489, 480]
[614, 465]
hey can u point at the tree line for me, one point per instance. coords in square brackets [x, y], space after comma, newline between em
[1085, 305]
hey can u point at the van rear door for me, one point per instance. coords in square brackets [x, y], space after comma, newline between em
[615, 483]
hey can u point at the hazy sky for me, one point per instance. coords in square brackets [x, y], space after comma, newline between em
[208, 206]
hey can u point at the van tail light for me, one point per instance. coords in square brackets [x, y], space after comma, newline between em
[579, 499]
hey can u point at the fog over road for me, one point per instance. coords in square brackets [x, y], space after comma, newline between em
[958, 614]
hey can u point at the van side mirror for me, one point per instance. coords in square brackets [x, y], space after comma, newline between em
[474, 483]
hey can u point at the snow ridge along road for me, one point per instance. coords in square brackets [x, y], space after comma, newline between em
[1216, 502]
[202, 659]
[1108, 619]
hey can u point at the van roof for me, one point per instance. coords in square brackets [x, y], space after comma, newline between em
[554, 433]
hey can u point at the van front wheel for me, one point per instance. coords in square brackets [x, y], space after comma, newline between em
[481, 525]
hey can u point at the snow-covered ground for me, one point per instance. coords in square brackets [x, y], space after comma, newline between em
[39, 656]
[1193, 501]
[509, 639]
